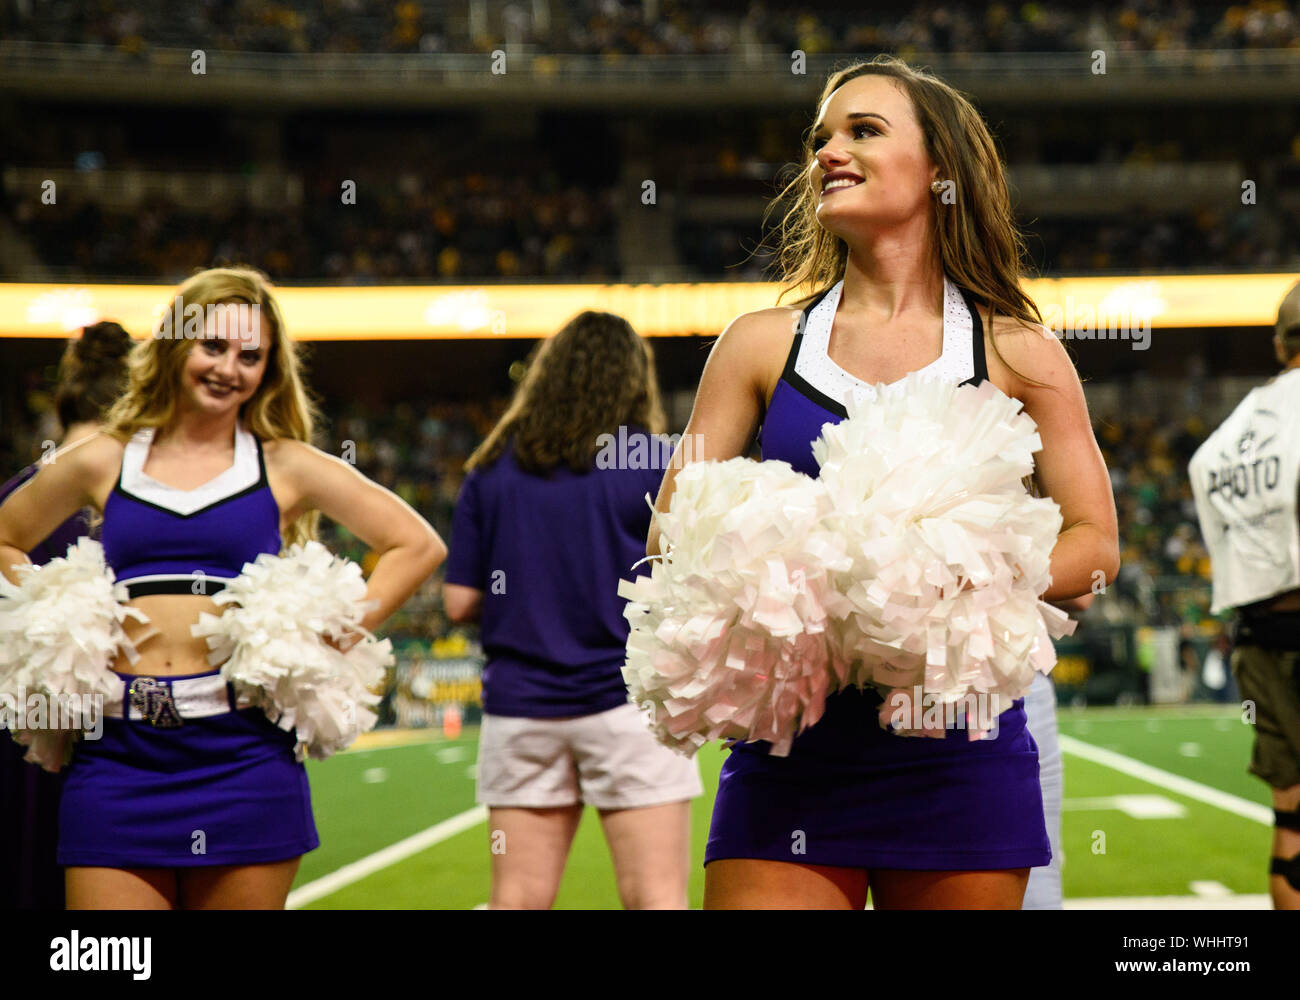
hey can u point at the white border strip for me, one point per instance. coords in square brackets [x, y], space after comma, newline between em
[1171, 782]
[1241, 901]
[403, 849]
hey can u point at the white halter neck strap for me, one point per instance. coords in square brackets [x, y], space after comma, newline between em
[956, 363]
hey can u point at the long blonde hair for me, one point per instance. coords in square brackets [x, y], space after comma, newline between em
[595, 375]
[980, 247]
[281, 407]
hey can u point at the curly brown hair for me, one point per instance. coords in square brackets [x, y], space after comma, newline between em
[979, 245]
[92, 373]
[595, 375]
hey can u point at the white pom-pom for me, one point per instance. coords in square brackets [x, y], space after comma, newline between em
[949, 552]
[729, 632]
[60, 631]
[280, 609]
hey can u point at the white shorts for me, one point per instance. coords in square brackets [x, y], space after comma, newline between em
[608, 760]
[1044, 889]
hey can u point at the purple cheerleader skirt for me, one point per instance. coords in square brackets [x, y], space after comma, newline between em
[217, 790]
[854, 795]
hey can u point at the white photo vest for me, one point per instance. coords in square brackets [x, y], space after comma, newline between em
[1245, 478]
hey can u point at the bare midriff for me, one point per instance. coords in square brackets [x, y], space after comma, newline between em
[165, 644]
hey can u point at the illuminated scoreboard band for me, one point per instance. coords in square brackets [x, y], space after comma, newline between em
[1103, 306]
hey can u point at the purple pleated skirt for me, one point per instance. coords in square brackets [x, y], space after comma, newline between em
[221, 790]
[854, 795]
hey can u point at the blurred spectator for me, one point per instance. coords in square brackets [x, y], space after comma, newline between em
[1216, 672]
[1165, 569]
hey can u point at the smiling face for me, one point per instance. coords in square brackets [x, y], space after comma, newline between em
[223, 370]
[870, 170]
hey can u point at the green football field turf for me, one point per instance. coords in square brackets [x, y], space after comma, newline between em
[367, 800]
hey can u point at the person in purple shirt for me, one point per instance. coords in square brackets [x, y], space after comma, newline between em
[553, 512]
[91, 374]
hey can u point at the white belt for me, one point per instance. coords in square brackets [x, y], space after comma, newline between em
[164, 703]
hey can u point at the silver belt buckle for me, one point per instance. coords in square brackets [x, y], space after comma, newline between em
[152, 699]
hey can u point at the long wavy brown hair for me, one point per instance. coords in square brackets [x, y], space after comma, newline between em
[595, 375]
[979, 244]
[281, 407]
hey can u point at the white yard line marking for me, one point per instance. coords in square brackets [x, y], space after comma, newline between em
[450, 755]
[1170, 782]
[1209, 888]
[374, 775]
[390, 855]
[1106, 714]
[1136, 806]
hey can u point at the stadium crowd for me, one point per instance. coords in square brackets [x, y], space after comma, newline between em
[1141, 241]
[651, 27]
[467, 226]
[495, 225]
[1165, 569]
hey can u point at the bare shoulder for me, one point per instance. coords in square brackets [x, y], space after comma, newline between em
[303, 477]
[85, 469]
[94, 457]
[757, 343]
[291, 458]
[284, 451]
[770, 327]
[1024, 358]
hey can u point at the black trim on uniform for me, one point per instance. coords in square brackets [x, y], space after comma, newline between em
[797, 381]
[202, 510]
[261, 460]
[147, 588]
[976, 342]
[811, 392]
[262, 481]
